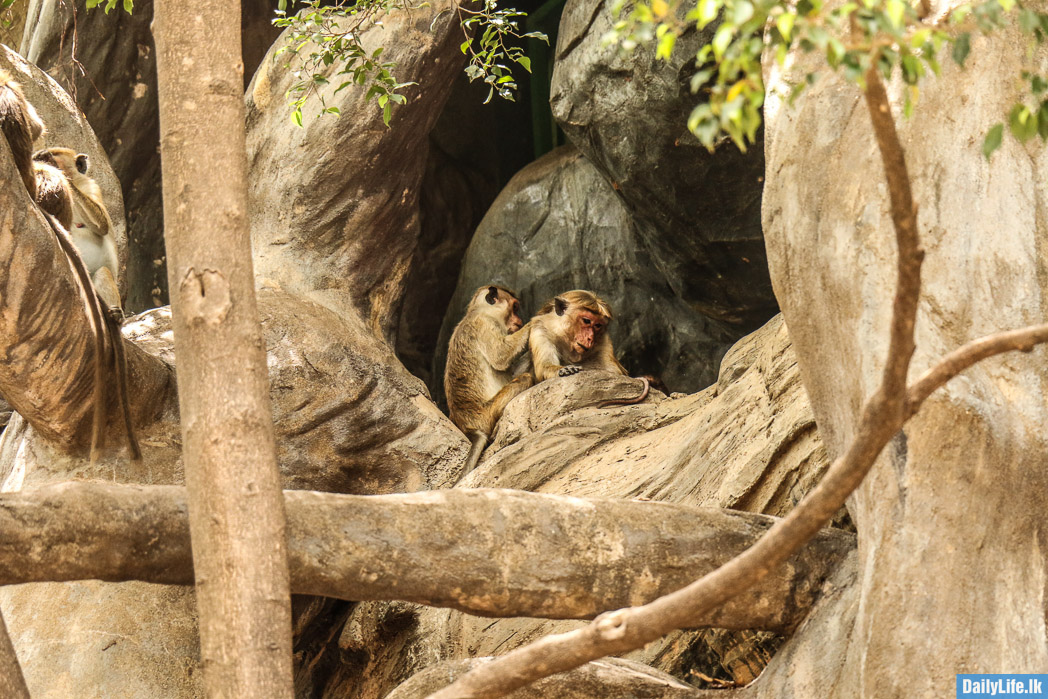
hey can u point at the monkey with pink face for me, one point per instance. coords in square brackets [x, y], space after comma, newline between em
[569, 334]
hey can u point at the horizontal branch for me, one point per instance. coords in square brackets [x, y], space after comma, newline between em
[486, 552]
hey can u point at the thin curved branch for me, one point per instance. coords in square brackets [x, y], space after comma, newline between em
[1022, 340]
[883, 416]
[437, 548]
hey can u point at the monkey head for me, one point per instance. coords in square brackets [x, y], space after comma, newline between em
[583, 318]
[501, 304]
[65, 159]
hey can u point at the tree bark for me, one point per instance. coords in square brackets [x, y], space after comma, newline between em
[438, 548]
[236, 510]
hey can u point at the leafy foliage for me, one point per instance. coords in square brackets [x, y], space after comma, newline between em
[495, 26]
[326, 36]
[128, 5]
[888, 36]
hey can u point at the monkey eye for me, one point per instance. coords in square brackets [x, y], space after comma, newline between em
[587, 321]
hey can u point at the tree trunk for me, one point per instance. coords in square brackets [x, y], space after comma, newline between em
[237, 520]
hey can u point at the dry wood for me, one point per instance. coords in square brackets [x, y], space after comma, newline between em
[236, 508]
[438, 548]
[884, 414]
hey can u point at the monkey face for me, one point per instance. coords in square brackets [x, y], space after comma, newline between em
[588, 328]
[513, 321]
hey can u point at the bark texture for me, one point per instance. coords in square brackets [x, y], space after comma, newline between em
[237, 515]
[437, 548]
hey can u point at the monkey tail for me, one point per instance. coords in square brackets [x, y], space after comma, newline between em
[480, 442]
[629, 401]
[120, 363]
[94, 311]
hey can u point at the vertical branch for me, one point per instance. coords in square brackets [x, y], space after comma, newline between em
[884, 414]
[236, 508]
[12, 682]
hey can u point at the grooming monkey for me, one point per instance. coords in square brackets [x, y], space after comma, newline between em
[91, 225]
[569, 334]
[478, 378]
[50, 189]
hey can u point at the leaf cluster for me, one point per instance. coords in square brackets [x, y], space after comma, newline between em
[490, 53]
[852, 38]
[128, 5]
[327, 39]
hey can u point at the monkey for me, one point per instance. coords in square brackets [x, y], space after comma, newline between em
[91, 225]
[50, 189]
[89, 229]
[569, 334]
[21, 126]
[478, 380]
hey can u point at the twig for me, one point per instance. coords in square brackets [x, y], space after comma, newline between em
[1022, 340]
[883, 416]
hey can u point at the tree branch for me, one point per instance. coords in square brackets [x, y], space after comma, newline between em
[1022, 340]
[884, 414]
[472, 550]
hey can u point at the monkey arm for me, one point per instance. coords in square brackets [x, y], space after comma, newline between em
[502, 350]
[545, 358]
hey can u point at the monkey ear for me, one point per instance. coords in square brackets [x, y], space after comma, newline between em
[81, 163]
[493, 295]
[560, 305]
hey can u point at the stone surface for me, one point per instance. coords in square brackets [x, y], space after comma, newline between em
[748, 442]
[344, 229]
[950, 519]
[558, 225]
[699, 212]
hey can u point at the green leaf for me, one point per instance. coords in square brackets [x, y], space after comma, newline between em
[742, 12]
[784, 23]
[1006, 5]
[708, 10]
[465, 45]
[665, 47]
[993, 140]
[721, 40]
[129, 6]
[700, 79]
[387, 113]
[1022, 122]
[296, 117]
[896, 11]
[525, 63]
[962, 46]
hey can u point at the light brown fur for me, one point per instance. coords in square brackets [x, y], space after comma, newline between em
[569, 334]
[478, 379]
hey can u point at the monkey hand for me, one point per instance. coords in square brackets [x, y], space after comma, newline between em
[569, 370]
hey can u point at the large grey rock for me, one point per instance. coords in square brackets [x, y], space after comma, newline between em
[558, 225]
[699, 212]
[950, 519]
